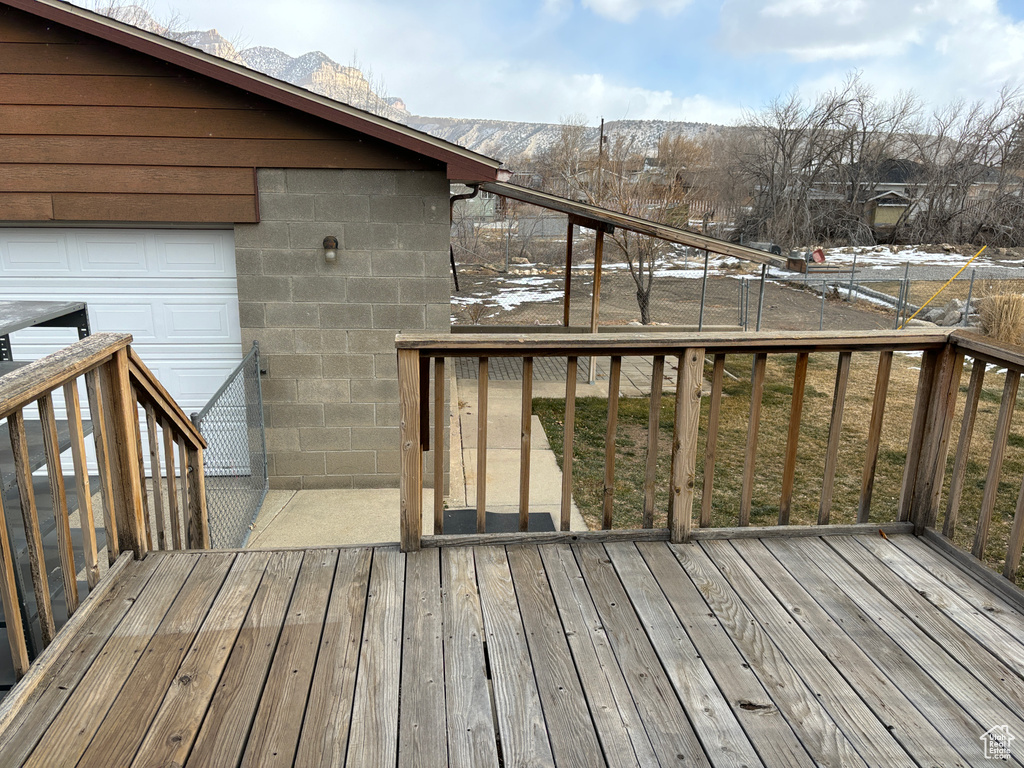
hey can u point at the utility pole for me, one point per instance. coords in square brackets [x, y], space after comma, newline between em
[600, 162]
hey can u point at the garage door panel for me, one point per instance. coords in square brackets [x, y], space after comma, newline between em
[184, 321]
[28, 253]
[112, 254]
[191, 256]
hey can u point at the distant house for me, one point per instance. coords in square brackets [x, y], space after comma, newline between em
[187, 200]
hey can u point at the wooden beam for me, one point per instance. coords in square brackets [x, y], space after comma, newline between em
[411, 493]
[568, 273]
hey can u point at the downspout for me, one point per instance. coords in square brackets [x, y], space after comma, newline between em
[451, 219]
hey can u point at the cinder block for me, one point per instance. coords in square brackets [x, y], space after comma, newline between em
[346, 316]
[297, 415]
[385, 365]
[328, 289]
[314, 180]
[320, 342]
[396, 209]
[375, 438]
[371, 391]
[349, 415]
[372, 290]
[389, 461]
[278, 483]
[281, 439]
[342, 209]
[325, 482]
[375, 481]
[293, 315]
[427, 183]
[271, 180]
[425, 290]
[352, 463]
[324, 391]
[293, 366]
[435, 210]
[286, 207]
[424, 237]
[387, 414]
[266, 234]
[272, 340]
[292, 262]
[251, 314]
[438, 317]
[374, 342]
[264, 288]
[311, 235]
[397, 264]
[301, 463]
[278, 391]
[325, 438]
[349, 366]
[403, 317]
[371, 237]
[360, 182]
[248, 261]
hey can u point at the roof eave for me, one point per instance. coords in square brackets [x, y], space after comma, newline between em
[462, 164]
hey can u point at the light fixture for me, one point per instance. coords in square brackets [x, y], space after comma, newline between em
[330, 249]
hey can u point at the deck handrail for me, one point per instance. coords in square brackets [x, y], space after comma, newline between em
[929, 426]
[116, 383]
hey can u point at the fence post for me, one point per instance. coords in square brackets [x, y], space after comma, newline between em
[684, 444]
[121, 411]
[967, 305]
[198, 520]
[411, 481]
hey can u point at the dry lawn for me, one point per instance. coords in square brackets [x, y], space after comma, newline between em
[631, 442]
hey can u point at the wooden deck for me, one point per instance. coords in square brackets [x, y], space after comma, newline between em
[839, 650]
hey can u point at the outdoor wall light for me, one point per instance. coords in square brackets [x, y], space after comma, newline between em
[330, 249]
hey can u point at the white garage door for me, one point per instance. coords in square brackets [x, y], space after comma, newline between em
[173, 290]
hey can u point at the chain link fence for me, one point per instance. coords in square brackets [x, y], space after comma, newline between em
[235, 459]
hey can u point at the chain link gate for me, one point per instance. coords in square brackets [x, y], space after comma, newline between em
[235, 459]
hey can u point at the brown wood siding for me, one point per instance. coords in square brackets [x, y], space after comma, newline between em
[90, 131]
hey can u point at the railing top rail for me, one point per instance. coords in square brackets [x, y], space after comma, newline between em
[550, 345]
[151, 390]
[988, 349]
[30, 382]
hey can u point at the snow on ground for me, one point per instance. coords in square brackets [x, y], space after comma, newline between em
[515, 291]
[885, 257]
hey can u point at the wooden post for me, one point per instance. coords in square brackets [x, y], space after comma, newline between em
[963, 448]
[867, 480]
[198, 522]
[568, 273]
[58, 496]
[411, 482]
[995, 462]
[83, 490]
[595, 299]
[9, 594]
[568, 438]
[653, 428]
[119, 407]
[100, 432]
[439, 414]
[835, 429]
[793, 437]
[525, 439]
[481, 446]
[935, 448]
[750, 453]
[684, 444]
[711, 440]
[609, 442]
[925, 381]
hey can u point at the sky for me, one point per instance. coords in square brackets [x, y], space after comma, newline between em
[690, 60]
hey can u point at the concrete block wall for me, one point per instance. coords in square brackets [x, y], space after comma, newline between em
[327, 331]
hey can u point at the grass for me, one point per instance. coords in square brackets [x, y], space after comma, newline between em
[631, 449]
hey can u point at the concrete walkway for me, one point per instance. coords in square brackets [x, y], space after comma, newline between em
[370, 516]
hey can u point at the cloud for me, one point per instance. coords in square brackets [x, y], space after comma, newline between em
[626, 10]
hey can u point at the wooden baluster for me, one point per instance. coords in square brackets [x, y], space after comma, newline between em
[867, 482]
[963, 448]
[568, 437]
[198, 533]
[525, 440]
[684, 444]
[411, 491]
[439, 414]
[186, 497]
[653, 428]
[925, 382]
[30, 516]
[609, 441]
[172, 487]
[793, 438]
[835, 429]
[118, 406]
[711, 444]
[82, 488]
[100, 431]
[142, 474]
[154, 463]
[9, 595]
[58, 495]
[995, 463]
[481, 446]
[756, 391]
[1016, 541]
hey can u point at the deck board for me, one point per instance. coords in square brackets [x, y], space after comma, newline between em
[775, 652]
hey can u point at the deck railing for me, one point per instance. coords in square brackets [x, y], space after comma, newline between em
[117, 383]
[925, 430]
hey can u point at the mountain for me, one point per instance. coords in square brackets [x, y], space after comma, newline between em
[319, 73]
